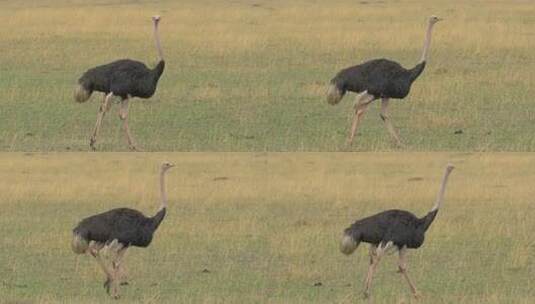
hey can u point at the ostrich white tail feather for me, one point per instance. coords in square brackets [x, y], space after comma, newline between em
[79, 245]
[348, 245]
[334, 95]
[81, 94]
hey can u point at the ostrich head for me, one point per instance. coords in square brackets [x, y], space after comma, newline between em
[434, 19]
[156, 19]
[166, 166]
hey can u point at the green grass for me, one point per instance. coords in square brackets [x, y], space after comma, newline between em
[267, 226]
[251, 75]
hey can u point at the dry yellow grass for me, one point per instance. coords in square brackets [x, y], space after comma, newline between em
[251, 75]
[266, 226]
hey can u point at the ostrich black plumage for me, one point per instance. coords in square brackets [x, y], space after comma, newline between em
[374, 79]
[123, 78]
[116, 230]
[391, 229]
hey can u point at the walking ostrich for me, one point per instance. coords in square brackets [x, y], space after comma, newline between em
[116, 230]
[124, 78]
[377, 78]
[391, 229]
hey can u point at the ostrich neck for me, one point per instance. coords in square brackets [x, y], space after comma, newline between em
[157, 39]
[440, 196]
[163, 193]
[427, 42]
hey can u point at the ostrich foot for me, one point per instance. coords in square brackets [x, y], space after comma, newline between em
[399, 144]
[107, 285]
[110, 289]
[134, 148]
[92, 142]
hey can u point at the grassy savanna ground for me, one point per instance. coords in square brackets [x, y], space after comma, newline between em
[267, 226]
[251, 75]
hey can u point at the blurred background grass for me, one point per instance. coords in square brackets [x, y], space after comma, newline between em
[266, 226]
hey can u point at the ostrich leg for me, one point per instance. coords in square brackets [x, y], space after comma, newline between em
[362, 102]
[110, 279]
[104, 107]
[118, 266]
[386, 119]
[371, 269]
[123, 114]
[403, 270]
[376, 253]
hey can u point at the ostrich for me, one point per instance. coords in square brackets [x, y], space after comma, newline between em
[392, 229]
[374, 79]
[116, 230]
[124, 78]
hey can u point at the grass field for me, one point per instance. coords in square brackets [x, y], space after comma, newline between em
[267, 226]
[251, 75]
